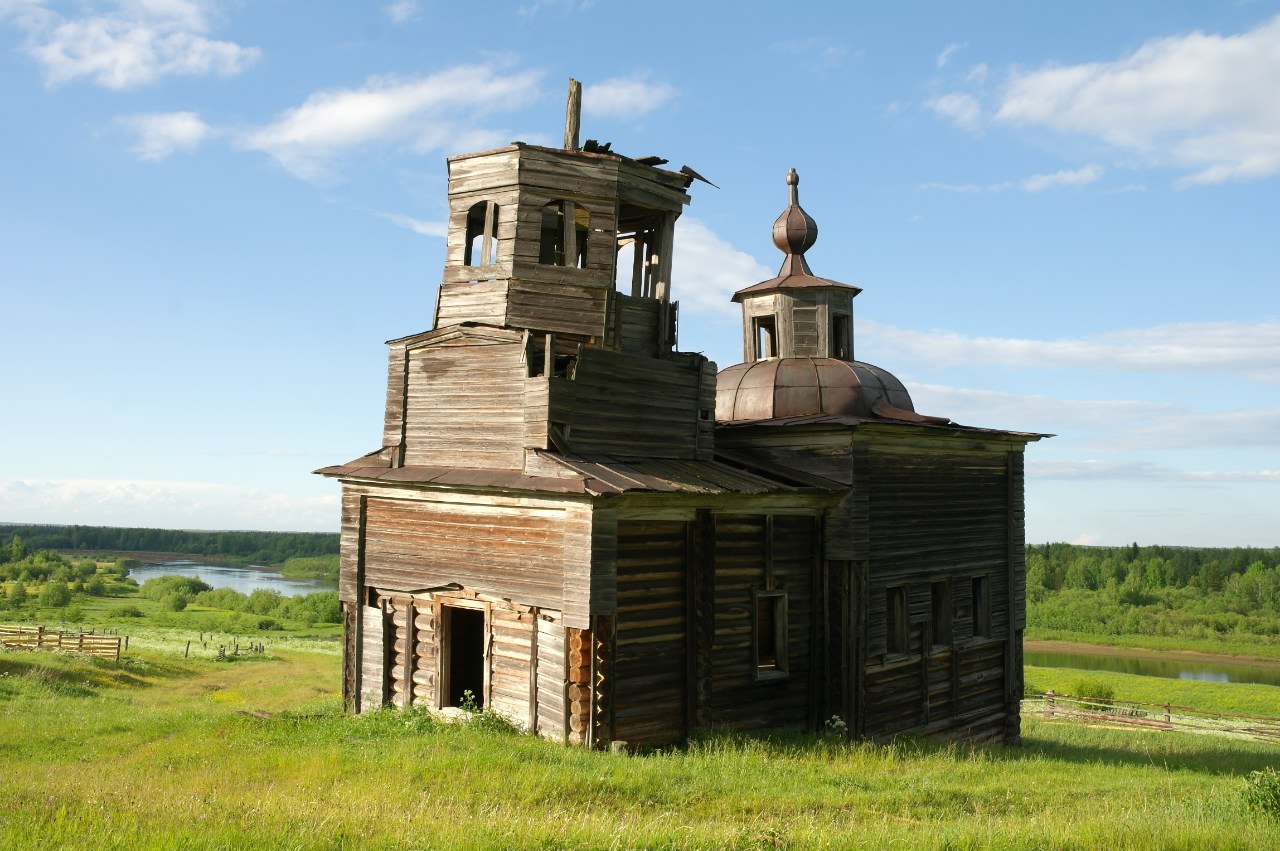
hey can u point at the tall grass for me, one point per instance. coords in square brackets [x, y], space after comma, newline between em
[165, 752]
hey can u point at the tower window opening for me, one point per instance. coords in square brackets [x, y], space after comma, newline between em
[565, 227]
[639, 251]
[482, 235]
[766, 337]
[841, 336]
[895, 606]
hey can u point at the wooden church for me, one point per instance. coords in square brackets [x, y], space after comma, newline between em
[597, 535]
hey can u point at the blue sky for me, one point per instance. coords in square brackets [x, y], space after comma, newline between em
[1064, 217]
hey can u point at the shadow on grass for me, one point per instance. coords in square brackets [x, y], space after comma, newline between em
[85, 676]
[1203, 754]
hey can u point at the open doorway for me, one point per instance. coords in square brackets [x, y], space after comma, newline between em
[463, 656]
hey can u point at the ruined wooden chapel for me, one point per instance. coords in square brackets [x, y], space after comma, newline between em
[602, 538]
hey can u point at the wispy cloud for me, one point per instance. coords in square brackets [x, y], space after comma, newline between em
[949, 51]
[402, 11]
[1035, 183]
[1076, 177]
[818, 54]
[1248, 349]
[136, 43]
[425, 112]
[437, 229]
[160, 134]
[960, 108]
[1199, 100]
[565, 6]
[1094, 470]
[625, 96]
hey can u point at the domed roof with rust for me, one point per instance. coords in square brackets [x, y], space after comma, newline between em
[782, 388]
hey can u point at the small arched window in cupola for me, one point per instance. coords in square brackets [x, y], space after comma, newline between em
[565, 226]
[482, 235]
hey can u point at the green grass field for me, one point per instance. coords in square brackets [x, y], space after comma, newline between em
[163, 752]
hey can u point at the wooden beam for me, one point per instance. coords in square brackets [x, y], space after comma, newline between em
[573, 116]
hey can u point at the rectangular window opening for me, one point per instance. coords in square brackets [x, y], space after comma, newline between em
[766, 337]
[769, 634]
[895, 605]
[981, 606]
[940, 611]
[841, 337]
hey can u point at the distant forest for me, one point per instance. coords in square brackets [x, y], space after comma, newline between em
[1225, 594]
[241, 547]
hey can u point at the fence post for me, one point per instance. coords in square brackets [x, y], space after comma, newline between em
[1048, 704]
[187, 652]
[1168, 715]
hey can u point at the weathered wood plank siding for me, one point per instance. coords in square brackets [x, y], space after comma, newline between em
[418, 544]
[372, 663]
[472, 301]
[552, 681]
[762, 552]
[650, 680]
[627, 406]
[937, 510]
[465, 404]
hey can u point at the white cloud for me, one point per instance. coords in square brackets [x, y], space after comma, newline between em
[949, 51]
[402, 11]
[625, 96]
[179, 505]
[427, 112]
[438, 229]
[708, 270]
[1078, 177]
[137, 43]
[160, 134]
[1035, 183]
[977, 74]
[1200, 101]
[961, 108]
[1248, 349]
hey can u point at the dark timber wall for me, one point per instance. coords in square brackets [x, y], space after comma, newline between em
[939, 511]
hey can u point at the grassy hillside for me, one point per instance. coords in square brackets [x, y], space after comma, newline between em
[163, 752]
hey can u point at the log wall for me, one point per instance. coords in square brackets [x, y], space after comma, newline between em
[650, 684]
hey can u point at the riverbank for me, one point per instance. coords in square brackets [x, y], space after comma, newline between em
[1061, 646]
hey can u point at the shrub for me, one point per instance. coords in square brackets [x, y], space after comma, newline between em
[1094, 690]
[129, 611]
[174, 601]
[1262, 792]
[96, 586]
[55, 594]
[18, 594]
[162, 586]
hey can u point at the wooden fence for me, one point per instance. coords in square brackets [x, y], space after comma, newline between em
[40, 638]
[1156, 716]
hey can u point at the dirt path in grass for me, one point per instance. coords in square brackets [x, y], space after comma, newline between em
[1147, 653]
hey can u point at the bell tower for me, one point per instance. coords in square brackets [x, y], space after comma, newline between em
[796, 314]
[573, 241]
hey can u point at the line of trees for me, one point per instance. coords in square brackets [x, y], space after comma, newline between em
[244, 547]
[1162, 591]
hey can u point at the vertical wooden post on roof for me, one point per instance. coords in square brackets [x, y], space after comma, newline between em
[573, 116]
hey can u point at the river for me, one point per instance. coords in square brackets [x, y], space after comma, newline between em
[246, 580]
[1173, 667]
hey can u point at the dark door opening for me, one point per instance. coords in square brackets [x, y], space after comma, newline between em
[464, 655]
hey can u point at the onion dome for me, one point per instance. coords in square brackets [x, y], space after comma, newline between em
[784, 388]
[794, 233]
